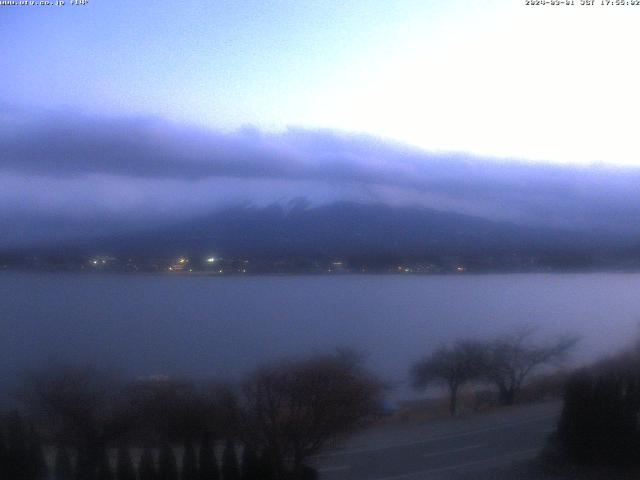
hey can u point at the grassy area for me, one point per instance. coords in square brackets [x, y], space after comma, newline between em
[472, 400]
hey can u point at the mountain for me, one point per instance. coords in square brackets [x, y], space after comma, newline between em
[341, 230]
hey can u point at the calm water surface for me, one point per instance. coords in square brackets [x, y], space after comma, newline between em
[207, 326]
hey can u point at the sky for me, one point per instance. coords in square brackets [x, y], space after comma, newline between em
[116, 113]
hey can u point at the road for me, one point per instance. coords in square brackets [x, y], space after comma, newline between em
[442, 448]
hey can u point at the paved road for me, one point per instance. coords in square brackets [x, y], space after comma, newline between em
[440, 449]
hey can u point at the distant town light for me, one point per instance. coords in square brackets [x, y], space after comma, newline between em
[211, 259]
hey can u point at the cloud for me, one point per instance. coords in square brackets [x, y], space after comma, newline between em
[76, 168]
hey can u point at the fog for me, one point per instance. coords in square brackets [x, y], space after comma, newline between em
[224, 327]
[66, 174]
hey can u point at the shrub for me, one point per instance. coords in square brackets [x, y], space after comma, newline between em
[250, 467]
[18, 462]
[167, 468]
[147, 467]
[104, 466]
[125, 468]
[189, 462]
[230, 463]
[599, 421]
[292, 410]
[207, 463]
[62, 469]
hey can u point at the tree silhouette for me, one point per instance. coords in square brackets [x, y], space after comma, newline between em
[452, 366]
[37, 463]
[599, 420]
[147, 467]
[207, 463]
[124, 468]
[17, 451]
[167, 468]
[171, 409]
[268, 466]
[294, 409]
[250, 464]
[189, 461]
[79, 406]
[3, 456]
[511, 358]
[305, 472]
[230, 469]
[87, 462]
[62, 469]
[104, 470]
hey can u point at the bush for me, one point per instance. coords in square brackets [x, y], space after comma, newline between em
[147, 467]
[37, 463]
[105, 471]
[599, 421]
[17, 452]
[207, 463]
[294, 409]
[230, 469]
[167, 468]
[3, 456]
[125, 468]
[62, 469]
[250, 464]
[189, 462]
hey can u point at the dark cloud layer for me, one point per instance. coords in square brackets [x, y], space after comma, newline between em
[78, 169]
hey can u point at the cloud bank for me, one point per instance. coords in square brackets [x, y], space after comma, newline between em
[65, 174]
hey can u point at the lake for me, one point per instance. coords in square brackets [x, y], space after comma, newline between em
[224, 327]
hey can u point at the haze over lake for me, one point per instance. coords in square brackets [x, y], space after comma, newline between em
[224, 327]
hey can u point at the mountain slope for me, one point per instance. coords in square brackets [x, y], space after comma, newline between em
[344, 229]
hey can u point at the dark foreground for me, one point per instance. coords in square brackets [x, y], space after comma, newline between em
[482, 446]
[504, 445]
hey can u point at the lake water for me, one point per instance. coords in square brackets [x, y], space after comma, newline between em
[224, 327]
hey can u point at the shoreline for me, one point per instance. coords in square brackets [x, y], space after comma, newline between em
[629, 271]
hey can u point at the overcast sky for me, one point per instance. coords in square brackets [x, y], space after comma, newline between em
[118, 112]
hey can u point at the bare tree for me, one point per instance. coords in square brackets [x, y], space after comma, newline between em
[77, 403]
[78, 407]
[165, 409]
[452, 366]
[511, 358]
[293, 410]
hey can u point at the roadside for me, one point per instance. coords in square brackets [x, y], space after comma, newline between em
[444, 447]
[537, 469]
